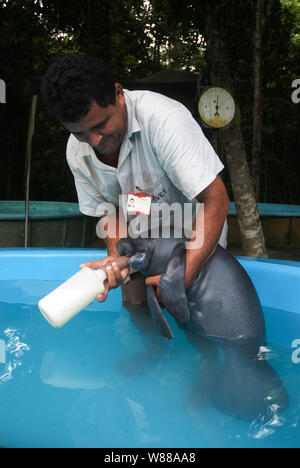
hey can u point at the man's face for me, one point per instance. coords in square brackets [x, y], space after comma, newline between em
[103, 128]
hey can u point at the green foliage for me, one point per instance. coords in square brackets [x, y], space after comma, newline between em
[135, 39]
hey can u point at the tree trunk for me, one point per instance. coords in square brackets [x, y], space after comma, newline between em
[234, 147]
[248, 217]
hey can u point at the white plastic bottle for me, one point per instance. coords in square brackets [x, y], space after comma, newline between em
[75, 294]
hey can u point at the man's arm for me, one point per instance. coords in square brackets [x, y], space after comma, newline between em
[116, 228]
[216, 206]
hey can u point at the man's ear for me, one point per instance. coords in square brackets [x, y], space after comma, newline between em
[119, 91]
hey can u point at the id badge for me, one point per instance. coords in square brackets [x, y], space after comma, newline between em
[139, 203]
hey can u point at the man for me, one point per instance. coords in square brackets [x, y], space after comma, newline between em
[134, 142]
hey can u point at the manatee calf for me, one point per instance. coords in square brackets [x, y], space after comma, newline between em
[222, 305]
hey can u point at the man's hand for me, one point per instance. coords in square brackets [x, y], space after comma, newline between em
[115, 276]
[154, 281]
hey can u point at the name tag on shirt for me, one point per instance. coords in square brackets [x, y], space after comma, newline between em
[139, 203]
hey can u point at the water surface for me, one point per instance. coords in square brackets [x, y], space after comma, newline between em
[102, 382]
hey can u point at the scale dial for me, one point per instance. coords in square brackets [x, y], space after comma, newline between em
[216, 107]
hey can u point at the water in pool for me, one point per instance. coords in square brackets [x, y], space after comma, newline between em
[101, 382]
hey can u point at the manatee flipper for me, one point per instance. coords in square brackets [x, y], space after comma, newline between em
[172, 286]
[158, 318]
[139, 251]
[138, 261]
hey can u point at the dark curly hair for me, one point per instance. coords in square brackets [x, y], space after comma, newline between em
[72, 82]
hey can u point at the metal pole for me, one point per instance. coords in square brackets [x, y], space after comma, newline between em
[28, 162]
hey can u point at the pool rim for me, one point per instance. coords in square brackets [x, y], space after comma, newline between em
[276, 281]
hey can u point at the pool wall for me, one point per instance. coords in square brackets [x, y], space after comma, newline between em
[51, 224]
[281, 225]
[276, 281]
[61, 224]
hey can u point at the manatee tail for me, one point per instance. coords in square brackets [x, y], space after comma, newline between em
[248, 387]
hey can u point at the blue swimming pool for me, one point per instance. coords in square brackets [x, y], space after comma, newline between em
[100, 382]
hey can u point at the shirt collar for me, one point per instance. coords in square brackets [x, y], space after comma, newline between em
[132, 124]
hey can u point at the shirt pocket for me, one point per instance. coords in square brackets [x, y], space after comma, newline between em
[162, 190]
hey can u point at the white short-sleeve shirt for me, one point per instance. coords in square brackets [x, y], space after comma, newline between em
[164, 154]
